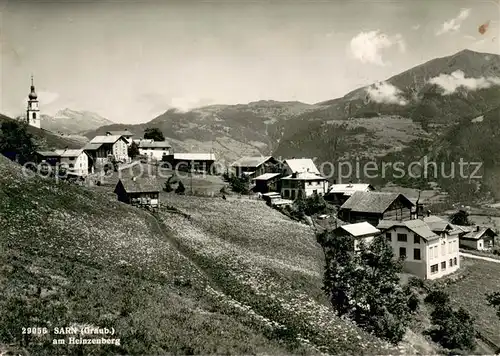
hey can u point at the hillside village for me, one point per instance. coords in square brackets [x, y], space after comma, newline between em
[184, 192]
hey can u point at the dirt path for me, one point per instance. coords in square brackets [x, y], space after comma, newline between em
[489, 259]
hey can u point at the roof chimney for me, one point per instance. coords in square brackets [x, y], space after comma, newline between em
[477, 228]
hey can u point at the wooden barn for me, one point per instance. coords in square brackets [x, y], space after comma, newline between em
[267, 182]
[375, 206]
[140, 192]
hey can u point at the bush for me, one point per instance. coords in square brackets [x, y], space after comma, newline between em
[239, 185]
[453, 329]
[180, 188]
[168, 188]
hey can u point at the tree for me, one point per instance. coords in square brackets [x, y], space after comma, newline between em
[453, 329]
[16, 142]
[461, 217]
[180, 188]
[133, 150]
[493, 300]
[239, 185]
[153, 133]
[364, 285]
[168, 188]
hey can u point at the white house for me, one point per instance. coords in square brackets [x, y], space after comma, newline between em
[154, 150]
[305, 183]
[101, 147]
[430, 246]
[476, 237]
[77, 161]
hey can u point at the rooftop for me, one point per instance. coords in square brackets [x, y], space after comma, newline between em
[360, 229]
[349, 189]
[106, 139]
[418, 226]
[69, 153]
[140, 185]
[154, 144]
[373, 202]
[120, 133]
[267, 176]
[194, 156]
[48, 153]
[251, 161]
[305, 176]
[92, 146]
[298, 165]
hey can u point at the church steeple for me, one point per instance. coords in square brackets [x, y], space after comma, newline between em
[33, 111]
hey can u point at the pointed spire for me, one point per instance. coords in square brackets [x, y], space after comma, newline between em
[33, 94]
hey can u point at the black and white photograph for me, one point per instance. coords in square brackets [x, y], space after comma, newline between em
[249, 177]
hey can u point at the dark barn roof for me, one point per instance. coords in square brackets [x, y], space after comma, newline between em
[373, 202]
[139, 185]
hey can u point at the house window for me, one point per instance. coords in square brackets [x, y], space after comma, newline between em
[451, 262]
[416, 254]
[402, 237]
[434, 268]
[454, 261]
[34, 115]
[443, 265]
[402, 252]
[315, 191]
[388, 236]
[416, 239]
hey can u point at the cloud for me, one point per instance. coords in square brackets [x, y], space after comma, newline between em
[451, 82]
[185, 104]
[416, 27]
[385, 93]
[367, 47]
[47, 97]
[454, 24]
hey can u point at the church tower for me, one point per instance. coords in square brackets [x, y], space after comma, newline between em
[33, 111]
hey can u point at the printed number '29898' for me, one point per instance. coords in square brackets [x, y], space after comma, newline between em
[35, 331]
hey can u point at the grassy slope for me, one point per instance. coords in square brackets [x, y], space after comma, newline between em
[481, 277]
[47, 139]
[269, 263]
[102, 263]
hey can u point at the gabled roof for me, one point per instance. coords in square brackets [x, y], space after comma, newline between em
[48, 153]
[373, 202]
[125, 133]
[349, 189]
[304, 176]
[418, 226]
[139, 185]
[106, 139]
[438, 224]
[194, 156]
[92, 146]
[360, 229]
[69, 153]
[474, 234]
[267, 176]
[251, 161]
[154, 144]
[298, 165]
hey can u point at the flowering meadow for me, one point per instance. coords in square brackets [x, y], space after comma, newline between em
[69, 255]
[271, 266]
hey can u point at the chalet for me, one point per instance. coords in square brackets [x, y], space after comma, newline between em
[300, 165]
[78, 162]
[476, 237]
[49, 157]
[255, 166]
[139, 191]
[126, 134]
[102, 148]
[154, 150]
[427, 253]
[203, 162]
[339, 193]
[359, 231]
[267, 182]
[304, 183]
[375, 206]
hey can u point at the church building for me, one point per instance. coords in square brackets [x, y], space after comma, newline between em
[33, 111]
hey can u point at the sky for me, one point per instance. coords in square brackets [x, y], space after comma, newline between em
[130, 61]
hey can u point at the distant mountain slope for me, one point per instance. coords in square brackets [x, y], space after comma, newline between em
[440, 90]
[230, 130]
[47, 139]
[69, 121]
